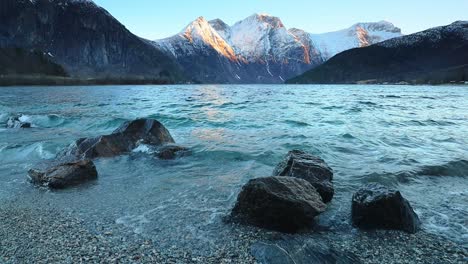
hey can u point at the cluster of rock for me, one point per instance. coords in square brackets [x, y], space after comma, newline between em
[298, 191]
[15, 122]
[74, 165]
[289, 200]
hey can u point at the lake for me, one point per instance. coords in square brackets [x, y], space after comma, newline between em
[413, 138]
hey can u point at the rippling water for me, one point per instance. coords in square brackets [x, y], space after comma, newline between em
[413, 138]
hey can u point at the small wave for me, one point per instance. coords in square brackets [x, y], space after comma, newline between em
[391, 96]
[367, 103]
[25, 152]
[332, 107]
[109, 124]
[429, 122]
[49, 120]
[296, 123]
[3, 118]
[452, 168]
[348, 136]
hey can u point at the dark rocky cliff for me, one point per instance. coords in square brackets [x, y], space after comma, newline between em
[17, 62]
[84, 38]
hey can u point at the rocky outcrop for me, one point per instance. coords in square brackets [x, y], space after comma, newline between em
[285, 204]
[375, 206]
[123, 140]
[170, 152]
[58, 175]
[15, 122]
[315, 170]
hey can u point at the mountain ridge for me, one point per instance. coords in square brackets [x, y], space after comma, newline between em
[437, 55]
[260, 48]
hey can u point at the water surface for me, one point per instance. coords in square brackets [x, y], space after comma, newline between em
[413, 138]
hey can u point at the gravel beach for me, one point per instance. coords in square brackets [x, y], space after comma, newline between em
[46, 236]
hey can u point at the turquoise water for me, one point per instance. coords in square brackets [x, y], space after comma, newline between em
[413, 138]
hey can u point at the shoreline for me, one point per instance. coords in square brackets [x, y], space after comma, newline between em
[49, 236]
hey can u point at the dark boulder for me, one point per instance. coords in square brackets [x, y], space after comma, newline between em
[123, 140]
[284, 204]
[170, 152]
[315, 170]
[15, 122]
[59, 175]
[375, 206]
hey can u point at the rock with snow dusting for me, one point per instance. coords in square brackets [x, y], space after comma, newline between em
[375, 206]
[285, 204]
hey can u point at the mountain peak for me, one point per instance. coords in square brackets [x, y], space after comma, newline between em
[383, 26]
[274, 22]
[201, 33]
[218, 24]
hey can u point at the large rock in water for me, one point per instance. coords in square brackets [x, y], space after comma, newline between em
[15, 122]
[300, 164]
[64, 174]
[123, 140]
[285, 204]
[375, 206]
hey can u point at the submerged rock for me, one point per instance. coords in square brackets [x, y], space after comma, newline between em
[123, 140]
[315, 170]
[375, 206]
[285, 204]
[295, 250]
[170, 152]
[15, 122]
[64, 174]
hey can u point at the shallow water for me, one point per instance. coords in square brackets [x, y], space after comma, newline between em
[413, 138]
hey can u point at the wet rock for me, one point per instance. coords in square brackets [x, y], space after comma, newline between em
[285, 204]
[375, 206]
[63, 174]
[15, 122]
[170, 152]
[315, 170]
[123, 140]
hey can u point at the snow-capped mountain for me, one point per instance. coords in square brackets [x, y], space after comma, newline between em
[260, 49]
[357, 36]
[434, 56]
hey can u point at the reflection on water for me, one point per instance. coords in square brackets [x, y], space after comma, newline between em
[411, 138]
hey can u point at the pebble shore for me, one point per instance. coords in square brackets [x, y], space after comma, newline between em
[31, 235]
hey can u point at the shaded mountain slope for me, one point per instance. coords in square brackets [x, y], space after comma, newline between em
[84, 38]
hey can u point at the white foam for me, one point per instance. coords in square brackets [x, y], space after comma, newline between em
[142, 148]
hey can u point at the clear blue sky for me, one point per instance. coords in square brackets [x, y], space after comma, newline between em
[154, 19]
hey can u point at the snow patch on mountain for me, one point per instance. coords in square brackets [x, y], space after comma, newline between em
[197, 36]
[358, 35]
[261, 37]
